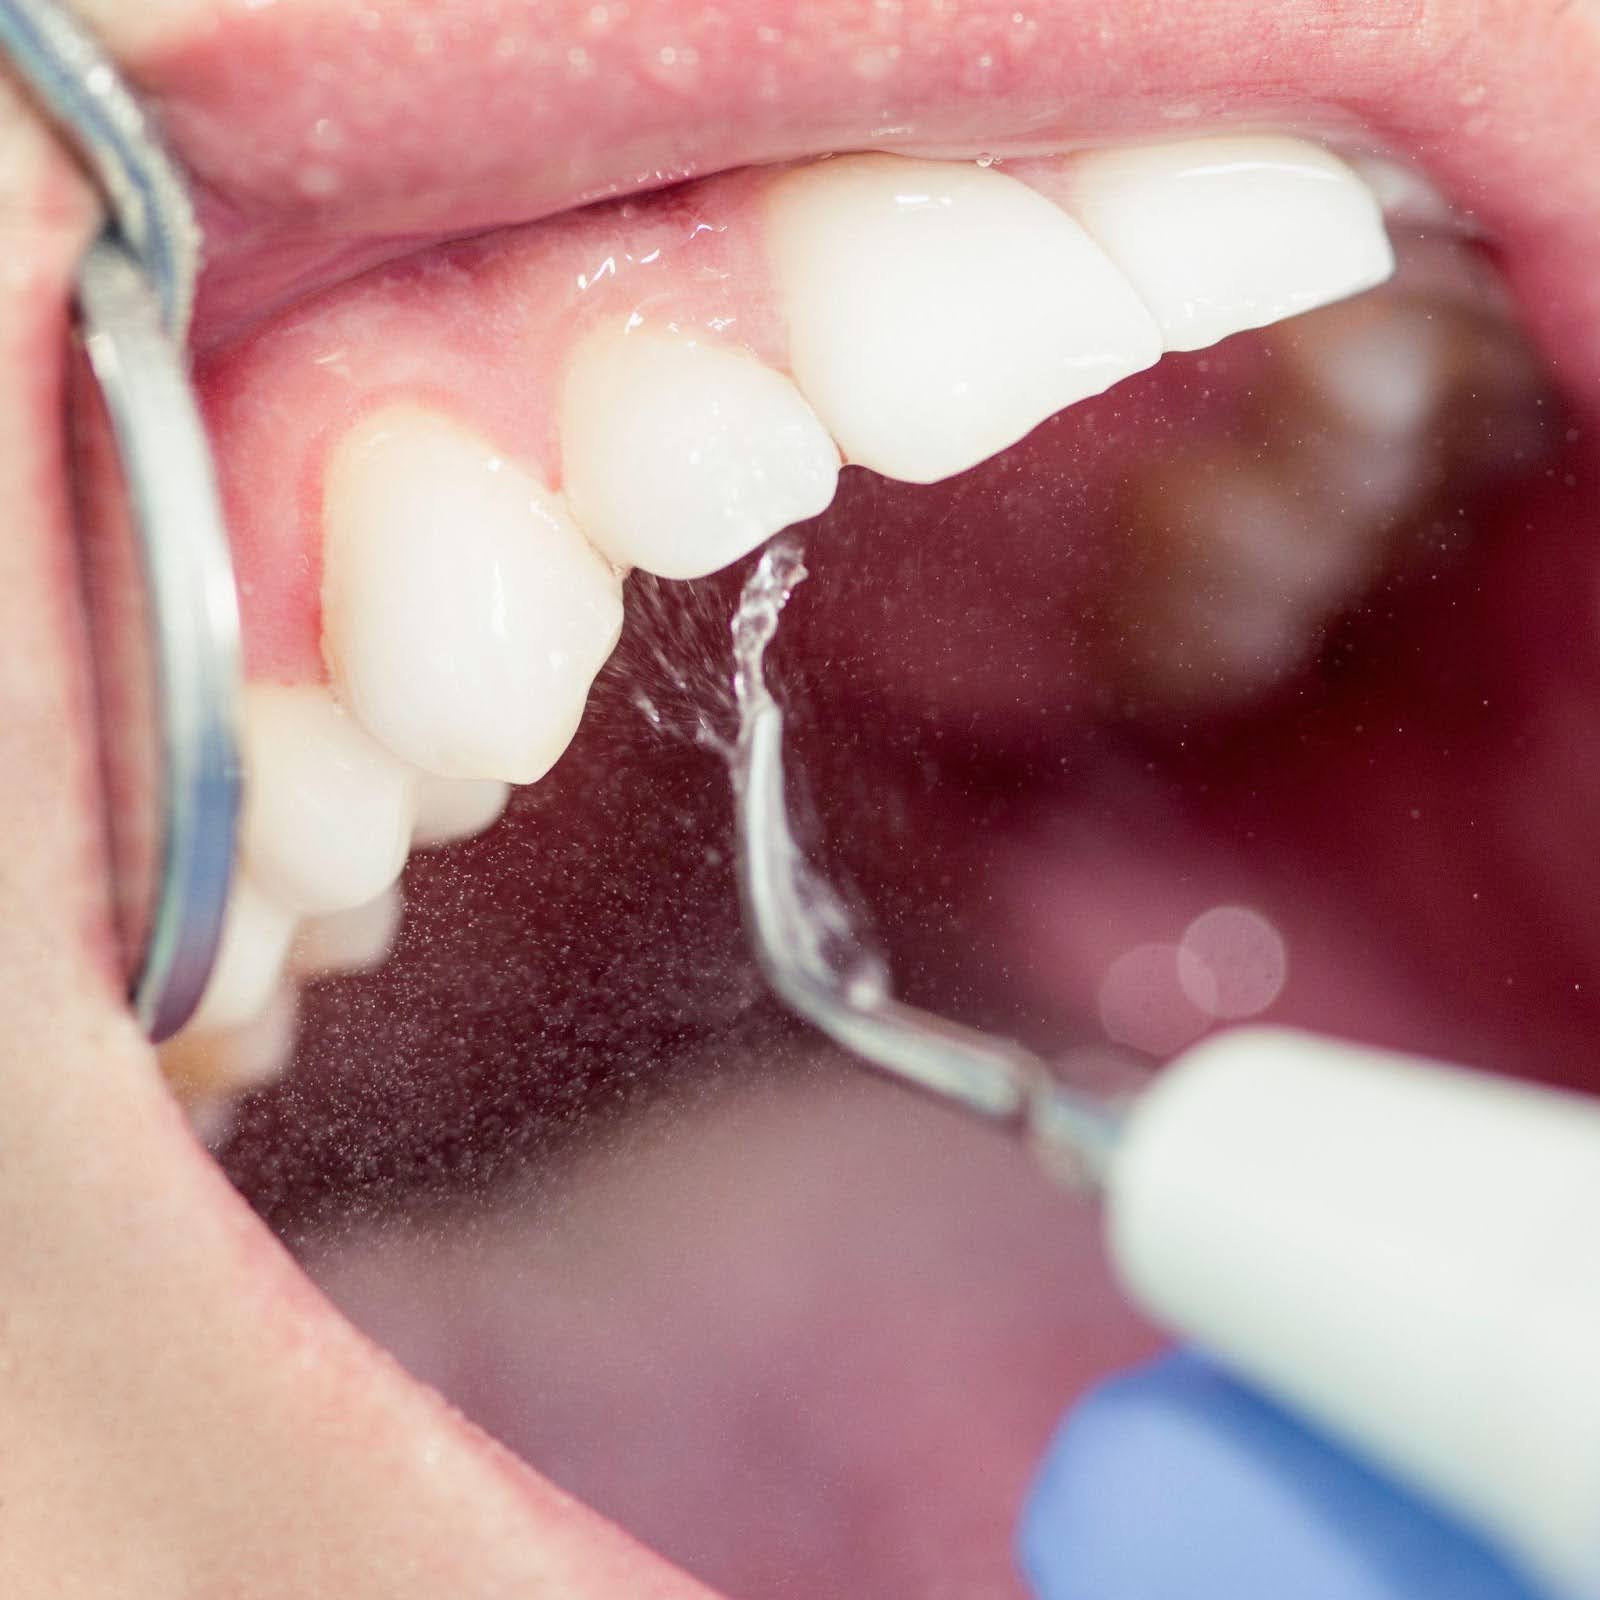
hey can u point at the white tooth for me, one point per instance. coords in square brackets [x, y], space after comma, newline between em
[679, 455]
[464, 615]
[938, 311]
[1232, 232]
[456, 808]
[206, 1067]
[255, 940]
[357, 940]
[328, 811]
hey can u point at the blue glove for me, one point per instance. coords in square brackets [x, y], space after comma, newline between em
[1174, 1483]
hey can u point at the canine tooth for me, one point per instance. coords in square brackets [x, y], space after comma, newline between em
[255, 940]
[328, 810]
[464, 615]
[357, 940]
[680, 455]
[1227, 233]
[938, 311]
[456, 808]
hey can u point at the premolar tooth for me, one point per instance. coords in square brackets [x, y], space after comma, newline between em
[1232, 232]
[938, 311]
[357, 940]
[328, 810]
[255, 941]
[464, 615]
[456, 808]
[680, 455]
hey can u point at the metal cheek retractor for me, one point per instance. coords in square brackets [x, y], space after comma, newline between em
[809, 953]
[135, 290]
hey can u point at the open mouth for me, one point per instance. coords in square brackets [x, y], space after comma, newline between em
[1189, 432]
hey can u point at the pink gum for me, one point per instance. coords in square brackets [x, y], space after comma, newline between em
[480, 329]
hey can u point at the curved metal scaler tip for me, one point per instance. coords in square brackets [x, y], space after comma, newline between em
[808, 951]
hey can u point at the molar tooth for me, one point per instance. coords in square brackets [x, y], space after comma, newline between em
[464, 615]
[456, 808]
[356, 940]
[938, 311]
[1232, 232]
[680, 455]
[328, 810]
[255, 940]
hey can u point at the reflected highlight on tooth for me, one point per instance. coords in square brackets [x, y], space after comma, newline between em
[464, 615]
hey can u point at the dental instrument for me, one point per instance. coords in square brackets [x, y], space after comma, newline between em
[1405, 1253]
[135, 292]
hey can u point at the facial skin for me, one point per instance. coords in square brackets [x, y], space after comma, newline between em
[185, 1414]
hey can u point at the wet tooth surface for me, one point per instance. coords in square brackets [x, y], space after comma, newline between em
[680, 455]
[937, 311]
[1228, 233]
[456, 808]
[255, 940]
[464, 615]
[328, 810]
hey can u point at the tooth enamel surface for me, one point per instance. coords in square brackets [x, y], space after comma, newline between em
[679, 455]
[1222, 234]
[464, 614]
[328, 810]
[255, 941]
[357, 940]
[937, 311]
[449, 809]
[203, 1064]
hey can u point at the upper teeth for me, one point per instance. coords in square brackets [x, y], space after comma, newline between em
[464, 615]
[679, 454]
[329, 811]
[928, 313]
[1224, 234]
[937, 313]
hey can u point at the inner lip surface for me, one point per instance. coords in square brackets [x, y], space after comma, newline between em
[1548, 237]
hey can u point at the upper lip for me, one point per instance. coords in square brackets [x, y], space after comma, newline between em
[424, 122]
